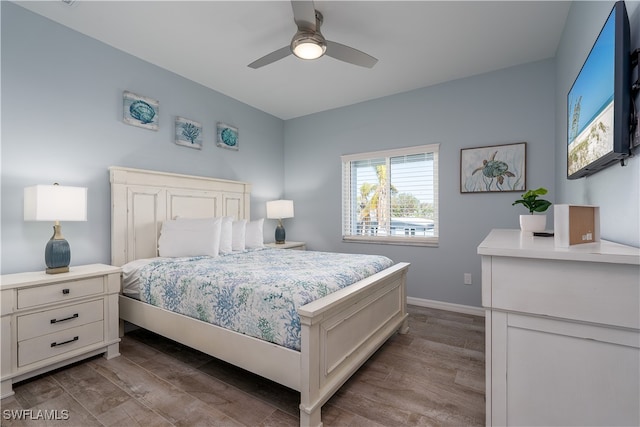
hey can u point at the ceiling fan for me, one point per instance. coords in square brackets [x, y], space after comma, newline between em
[309, 43]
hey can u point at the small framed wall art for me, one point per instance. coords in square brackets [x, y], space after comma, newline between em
[495, 168]
[188, 133]
[227, 136]
[140, 111]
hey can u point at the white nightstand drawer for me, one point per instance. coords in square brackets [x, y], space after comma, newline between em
[47, 322]
[56, 292]
[40, 348]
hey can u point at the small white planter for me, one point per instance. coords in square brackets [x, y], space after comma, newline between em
[533, 223]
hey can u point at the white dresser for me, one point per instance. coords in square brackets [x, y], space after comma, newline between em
[562, 331]
[51, 320]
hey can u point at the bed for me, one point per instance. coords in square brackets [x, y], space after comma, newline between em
[338, 332]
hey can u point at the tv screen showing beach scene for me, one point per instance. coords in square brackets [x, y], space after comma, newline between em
[590, 104]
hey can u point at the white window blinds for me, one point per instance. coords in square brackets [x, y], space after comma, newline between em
[391, 196]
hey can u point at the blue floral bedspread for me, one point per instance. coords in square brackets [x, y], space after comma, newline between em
[255, 292]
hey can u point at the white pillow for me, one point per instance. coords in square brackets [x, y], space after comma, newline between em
[131, 278]
[190, 237]
[253, 234]
[238, 234]
[226, 235]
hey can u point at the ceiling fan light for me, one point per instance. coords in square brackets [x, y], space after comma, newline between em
[308, 45]
[309, 50]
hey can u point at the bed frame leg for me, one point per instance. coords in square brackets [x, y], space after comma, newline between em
[404, 327]
[310, 419]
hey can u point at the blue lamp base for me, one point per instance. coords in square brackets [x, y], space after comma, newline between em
[280, 234]
[57, 253]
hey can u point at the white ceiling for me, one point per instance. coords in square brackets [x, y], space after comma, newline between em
[417, 43]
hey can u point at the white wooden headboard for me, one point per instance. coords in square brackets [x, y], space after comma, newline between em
[141, 200]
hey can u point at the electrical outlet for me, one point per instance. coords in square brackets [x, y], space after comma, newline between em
[467, 278]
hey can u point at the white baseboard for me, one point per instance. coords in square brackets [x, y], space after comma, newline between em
[458, 308]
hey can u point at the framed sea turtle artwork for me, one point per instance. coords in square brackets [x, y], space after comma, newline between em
[495, 168]
[227, 136]
[140, 111]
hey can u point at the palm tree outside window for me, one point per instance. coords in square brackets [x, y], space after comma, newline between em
[391, 196]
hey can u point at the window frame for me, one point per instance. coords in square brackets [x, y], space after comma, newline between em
[348, 195]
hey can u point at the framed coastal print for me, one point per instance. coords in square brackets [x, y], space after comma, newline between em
[140, 111]
[188, 133]
[495, 168]
[227, 136]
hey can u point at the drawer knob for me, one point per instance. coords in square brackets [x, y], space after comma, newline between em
[54, 344]
[75, 315]
[65, 291]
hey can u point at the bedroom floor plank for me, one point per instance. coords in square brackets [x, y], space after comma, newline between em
[434, 375]
[209, 389]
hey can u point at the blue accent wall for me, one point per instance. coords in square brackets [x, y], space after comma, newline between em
[62, 121]
[506, 106]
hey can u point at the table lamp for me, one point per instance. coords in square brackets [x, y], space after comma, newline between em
[280, 209]
[55, 203]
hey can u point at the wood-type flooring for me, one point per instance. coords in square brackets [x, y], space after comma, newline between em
[432, 376]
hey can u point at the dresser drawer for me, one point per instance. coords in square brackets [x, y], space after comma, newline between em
[46, 346]
[582, 291]
[56, 292]
[47, 322]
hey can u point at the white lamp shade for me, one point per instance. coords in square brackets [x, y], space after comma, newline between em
[278, 209]
[55, 203]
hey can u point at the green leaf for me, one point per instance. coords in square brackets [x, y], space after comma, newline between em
[532, 203]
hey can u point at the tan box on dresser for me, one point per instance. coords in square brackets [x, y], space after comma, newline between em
[575, 225]
[51, 320]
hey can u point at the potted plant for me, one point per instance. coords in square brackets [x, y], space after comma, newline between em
[531, 201]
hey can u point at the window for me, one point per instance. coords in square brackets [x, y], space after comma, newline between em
[391, 196]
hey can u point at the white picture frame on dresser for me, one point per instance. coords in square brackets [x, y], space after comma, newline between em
[52, 320]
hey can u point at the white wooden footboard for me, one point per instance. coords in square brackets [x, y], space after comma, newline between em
[342, 330]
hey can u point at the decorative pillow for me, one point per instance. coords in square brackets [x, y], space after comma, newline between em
[238, 234]
[226, 235]
[253, 234]
[190, 237]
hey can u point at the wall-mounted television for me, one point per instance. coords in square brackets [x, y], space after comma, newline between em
[599, 102]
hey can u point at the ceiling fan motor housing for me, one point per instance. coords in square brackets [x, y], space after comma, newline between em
[309, 43]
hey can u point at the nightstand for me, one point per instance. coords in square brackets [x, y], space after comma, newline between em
[52, 320]
[301, 246]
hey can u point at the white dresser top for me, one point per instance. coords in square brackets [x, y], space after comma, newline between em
[514, 243]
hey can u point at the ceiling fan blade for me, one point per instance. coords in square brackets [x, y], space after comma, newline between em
[304, 13]
[271, 57]
[350, 55]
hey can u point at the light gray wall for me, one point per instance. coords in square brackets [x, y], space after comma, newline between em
[616, 189]
[62, 122]
[511, 105]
